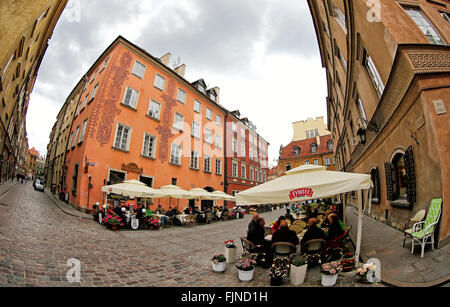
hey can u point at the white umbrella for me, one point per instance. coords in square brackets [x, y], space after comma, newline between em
[132, 187]
[173, 191]
[223, 195]
[199, 193]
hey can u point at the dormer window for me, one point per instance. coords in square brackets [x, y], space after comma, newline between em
[330, 145]
[200, 88]
[296, 151]
[212, 97]
[313, 147]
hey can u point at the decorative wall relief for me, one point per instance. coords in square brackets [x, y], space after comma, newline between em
[165, 128]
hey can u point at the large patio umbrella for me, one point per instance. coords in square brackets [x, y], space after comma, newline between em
[199, 193]
[173, 191]
[131, 188]
[310, 182]
[222, 195]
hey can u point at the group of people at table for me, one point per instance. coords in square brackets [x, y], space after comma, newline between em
[126, 211]
[329, 227]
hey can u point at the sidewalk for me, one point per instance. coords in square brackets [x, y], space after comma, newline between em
[6, 185]
[398, 266]
[66, 208]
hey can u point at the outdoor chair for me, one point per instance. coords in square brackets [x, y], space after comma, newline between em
[284, 249]
[297, 228]
[209, 217]
[313, 250]
[225, 216]
[335, 249]
[420, 215]
[422, 231]
[191, 220]
[301, 223]
[251, 250]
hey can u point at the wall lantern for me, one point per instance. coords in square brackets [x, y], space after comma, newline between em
[361, 133]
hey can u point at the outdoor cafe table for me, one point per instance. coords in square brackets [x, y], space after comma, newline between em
[182, 218]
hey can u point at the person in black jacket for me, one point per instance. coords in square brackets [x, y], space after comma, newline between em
[253, 223]
[284, 234]
[256, 236]
[312, 233]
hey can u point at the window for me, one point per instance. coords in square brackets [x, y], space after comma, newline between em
[325, 28]
[207, 164]
[84, 102]
[104, 64]
[75, 179]
[208, 136]
[296, 151]
[218, 141]
[327, 161]
[209, 113]
[83, 130]
[424, 25]
[256, 175]
[116, 177]
[197, 106]
[242, 149]
[307, 134]
[76, 136]
[252, 176]
[234, 126]
[196, 130]
[131, 97]
[362, 113]
[234, 146]
[445, 16]
[70, 140]
[243, 171]
[374, 175]
[175, 155]
[340, 18]
[148, 149]
[122, 137]
[94, 76]
[181, 96]
[234, 172]
[194, 159]
[94, 91]
[330, 145]
[288, 166]
[178, 121]
[139, 70]
[159, 82]
[8, 66]
[341, 56]
[148, 181]
[373, 73]
[399, 176]
[313, 148]
[154, 109]
[307, 162]
[218, 167]
[316, 162]
[219, 120]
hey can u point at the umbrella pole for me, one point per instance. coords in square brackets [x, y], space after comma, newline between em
[359, 231]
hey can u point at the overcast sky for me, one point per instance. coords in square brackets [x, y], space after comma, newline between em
[263, 54]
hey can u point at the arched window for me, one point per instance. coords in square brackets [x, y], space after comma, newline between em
[400, 177]
[375, 176]
[313, 147]
[296, 151]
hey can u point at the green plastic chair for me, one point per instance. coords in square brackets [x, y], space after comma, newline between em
[424, 230]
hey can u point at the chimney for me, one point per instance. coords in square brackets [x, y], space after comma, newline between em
[165, 59]
[318, 140]
[180, 70]
[217, 89]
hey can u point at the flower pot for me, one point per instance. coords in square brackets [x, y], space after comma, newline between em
[114, 227]
[230, 254]
[329, 280]
[298, 274]
[219, 267]
[276, 281]
[246, 275]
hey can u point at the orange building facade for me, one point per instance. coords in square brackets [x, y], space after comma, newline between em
[139, 119]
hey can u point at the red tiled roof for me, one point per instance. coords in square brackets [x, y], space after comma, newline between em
[305, 147]
[34, 152]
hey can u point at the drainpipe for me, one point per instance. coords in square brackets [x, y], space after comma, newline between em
[225, 158]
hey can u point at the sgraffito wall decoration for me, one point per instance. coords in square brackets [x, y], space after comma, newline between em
[165, 128]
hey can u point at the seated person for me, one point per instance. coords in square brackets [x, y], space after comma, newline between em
[187, 210]
[149, 212]
[160, 210]
[312, 233]
[276, 225]
[253, 223]
[256, 236]
[326, 221]
[308, 212]
[336, 228]
[208, 210]
[284, 234]
[171, 212]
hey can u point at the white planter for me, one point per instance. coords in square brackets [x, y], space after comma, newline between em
[329, 280]
[246, 275]
[219, 267]
[230, 254]
[298, 274]
[370, 276]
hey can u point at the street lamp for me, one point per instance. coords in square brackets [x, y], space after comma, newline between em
[90, 186]
[361, 133]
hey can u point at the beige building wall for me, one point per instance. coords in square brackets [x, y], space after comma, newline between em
[305, 128]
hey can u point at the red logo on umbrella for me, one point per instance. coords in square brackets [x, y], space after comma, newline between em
[301, 193]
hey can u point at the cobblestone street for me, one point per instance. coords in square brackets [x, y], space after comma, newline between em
[37, 239]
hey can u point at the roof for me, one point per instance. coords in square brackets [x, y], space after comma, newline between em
[34, 152]
[305, 147]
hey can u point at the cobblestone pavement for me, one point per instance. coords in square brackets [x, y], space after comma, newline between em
[37, 239]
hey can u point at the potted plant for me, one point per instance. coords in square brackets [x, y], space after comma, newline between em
[366, 273]
[112, 222]
[246, 269]
[230, 251]
[348, 262]
[278, 271]
[330, 273]
[153, 223]
[219, 263]
[298, 270]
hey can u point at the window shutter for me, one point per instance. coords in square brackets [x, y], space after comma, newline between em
[389, 183]
[410, 176]
[377, 183]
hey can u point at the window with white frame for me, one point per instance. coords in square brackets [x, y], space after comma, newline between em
[94, 76]
[327, 161]
[234, 170]
[243, 171]
[219, 120]
[313, 148]
[252, 176]
[178, 121]
[8, 65]
[123, 134]
[218, 141]
[94, 91]
[76, 136]
[208, 136]
[424, 25]
[207, 164]
[154, 109]
[316, 162]
[149, 146]
[256, 175]
[340, 18]
[330, 145]
[138, 69]
[242, 149]
[234, 145]
[374, 75]
[181, 96]
[86, 98]
[131, 97]
[70, 140]
[159, 82]
[194, 159]
[234, 127]
[445, 16]
[362, 113]
[243, 133]
[196, 130]
[83, 131]
[307, 162]
[208, 113]
[104, 64]
[197, 106]
[175, 154]
[218, 166]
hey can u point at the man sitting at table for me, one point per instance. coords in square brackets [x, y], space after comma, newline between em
[284, 234]
[312, 233]
[256, 236]
[253, 223]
